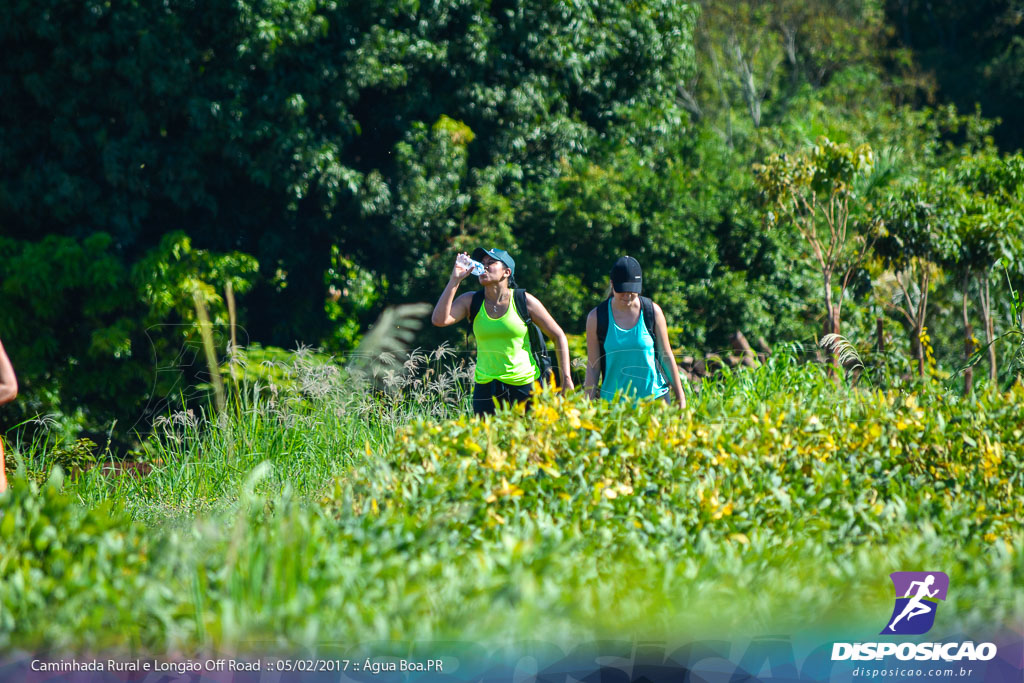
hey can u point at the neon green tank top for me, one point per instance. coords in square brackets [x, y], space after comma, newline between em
[503, 348]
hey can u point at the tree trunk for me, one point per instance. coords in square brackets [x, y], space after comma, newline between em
[740, 344]
[922, 312]
[968, 340]
[831, 326]
[917, 348]
[880, 334]
[986, 313]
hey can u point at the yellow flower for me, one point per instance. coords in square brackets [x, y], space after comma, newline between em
[496, 460]
[507, 489]
[992, 456]
[550, 469]
[496, 517]
[723, 511]
[545, 414]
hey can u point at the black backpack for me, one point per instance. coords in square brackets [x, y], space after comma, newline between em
[538, 347]
[647, 308]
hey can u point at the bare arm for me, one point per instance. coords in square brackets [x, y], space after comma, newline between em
[667, 360]
[448, 310]
[8, 382]
[590, 384]
[549, 327]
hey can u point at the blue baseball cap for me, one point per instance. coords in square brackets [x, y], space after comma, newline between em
[497, 255]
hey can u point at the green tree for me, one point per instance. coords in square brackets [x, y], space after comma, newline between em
[975, 52]
[917, 233]
[991, 229]
[330, 141]
[814, 192]
[121, 336]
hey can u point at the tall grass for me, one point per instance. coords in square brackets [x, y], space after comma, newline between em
[309, 426]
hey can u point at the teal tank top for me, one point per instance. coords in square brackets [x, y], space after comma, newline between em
[629, 362]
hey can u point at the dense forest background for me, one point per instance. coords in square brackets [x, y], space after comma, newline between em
[325, 159]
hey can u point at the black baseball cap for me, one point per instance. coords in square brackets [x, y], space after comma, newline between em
[496, 254]
[626, 275]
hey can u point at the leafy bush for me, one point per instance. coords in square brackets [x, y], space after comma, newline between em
[76, 576]
[752, 511]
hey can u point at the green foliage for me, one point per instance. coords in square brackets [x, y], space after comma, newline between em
[351, 149]
[117, 334]
[990, 195]
[755, 59]
[973, 52]
[168, 276]
[351, 291]
[918, 222]
[304, 413]
[100, 576]
[81, 291]
[582, 519]
[278, 132]
[815, 191]
[797, 185]
[695, 233]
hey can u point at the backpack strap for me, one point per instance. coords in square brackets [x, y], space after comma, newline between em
[538, 346]
[602, 330]
[519, 299]
[475, 304]
[647, 306]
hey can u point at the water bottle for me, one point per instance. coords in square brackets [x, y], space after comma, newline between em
[474, 266]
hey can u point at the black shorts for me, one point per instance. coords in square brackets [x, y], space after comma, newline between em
[485, 395]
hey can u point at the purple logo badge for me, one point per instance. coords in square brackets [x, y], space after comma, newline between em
[917, 596]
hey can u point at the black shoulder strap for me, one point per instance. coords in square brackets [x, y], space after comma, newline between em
[602, 329]
[647, 307]
[519, 299]
[475, 304]
[538, 347]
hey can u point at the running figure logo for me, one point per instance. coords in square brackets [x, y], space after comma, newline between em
[917, 594]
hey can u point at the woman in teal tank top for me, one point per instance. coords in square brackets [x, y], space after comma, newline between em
[505, 367]
[621, 350]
